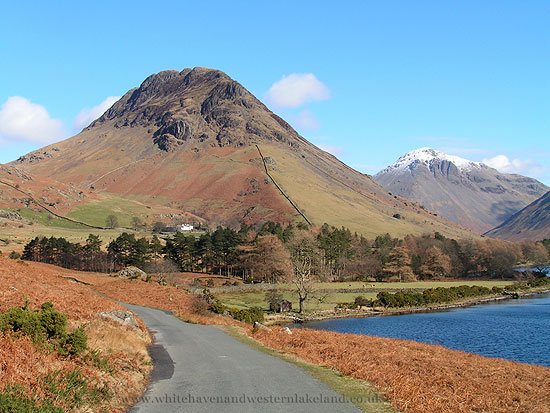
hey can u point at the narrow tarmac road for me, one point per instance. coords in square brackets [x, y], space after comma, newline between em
[200, 368]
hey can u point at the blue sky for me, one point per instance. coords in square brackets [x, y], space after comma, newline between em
[371, 79]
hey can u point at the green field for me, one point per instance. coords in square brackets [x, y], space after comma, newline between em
[46, 219]
[96, 212]
[246, 299]
[257, 299]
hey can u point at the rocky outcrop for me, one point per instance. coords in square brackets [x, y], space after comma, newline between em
[259, 326]
[172, 134]
[199, 104]
[14, 216]
[133, 273]
[126, 318]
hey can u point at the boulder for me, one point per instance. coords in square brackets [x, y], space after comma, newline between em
[287, 330]
[126, 318]
[260, 326]
[133, 273]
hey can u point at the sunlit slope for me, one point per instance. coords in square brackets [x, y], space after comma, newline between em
[353, 203]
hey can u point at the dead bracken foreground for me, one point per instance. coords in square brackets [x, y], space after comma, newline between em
[126, 363]
[415, 377]
[419, 377]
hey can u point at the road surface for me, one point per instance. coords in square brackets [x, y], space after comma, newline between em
[200, 368]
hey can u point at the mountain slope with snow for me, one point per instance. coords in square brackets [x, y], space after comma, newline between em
[427, 157]
[469, 193]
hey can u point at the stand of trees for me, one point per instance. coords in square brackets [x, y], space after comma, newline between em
[59, 251]
[270, 253]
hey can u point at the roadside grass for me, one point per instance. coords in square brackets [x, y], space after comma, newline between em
[112, 370]
[419, 377]
[359, 391]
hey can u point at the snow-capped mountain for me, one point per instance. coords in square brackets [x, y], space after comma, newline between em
[429, 156]
[469, 193]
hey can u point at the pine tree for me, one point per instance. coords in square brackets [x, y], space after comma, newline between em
[435, 264]
[399, 264]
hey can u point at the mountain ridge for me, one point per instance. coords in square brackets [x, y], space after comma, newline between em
[469, 193]
[531, 223]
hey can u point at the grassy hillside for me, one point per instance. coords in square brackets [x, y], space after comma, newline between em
[367, 210]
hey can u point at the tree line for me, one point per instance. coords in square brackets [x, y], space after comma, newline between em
[273, 253]
[63, 253]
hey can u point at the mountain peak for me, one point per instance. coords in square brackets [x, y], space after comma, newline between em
[468, 193]
[199, 107]
[428, 157]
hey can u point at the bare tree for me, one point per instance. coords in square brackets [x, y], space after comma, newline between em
[112, 221]
[535, 254]
[304, 257]
[136, 223]
[436, 265]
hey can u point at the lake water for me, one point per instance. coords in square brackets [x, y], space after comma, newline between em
[545, 269]
[513, 329]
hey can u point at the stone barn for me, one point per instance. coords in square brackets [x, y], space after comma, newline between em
[281, 306]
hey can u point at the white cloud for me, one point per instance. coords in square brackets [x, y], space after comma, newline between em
[503, 164]
[296, 90]
[87, 115]
[332, 149]
[22, 120]
[306, 120]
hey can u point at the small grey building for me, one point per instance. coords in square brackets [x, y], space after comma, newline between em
[281, 306]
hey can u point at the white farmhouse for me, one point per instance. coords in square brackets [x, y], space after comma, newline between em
[186, 228]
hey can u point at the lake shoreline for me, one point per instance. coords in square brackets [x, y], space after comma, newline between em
[347, 313]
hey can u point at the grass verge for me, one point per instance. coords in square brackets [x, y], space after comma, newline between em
[359, 391]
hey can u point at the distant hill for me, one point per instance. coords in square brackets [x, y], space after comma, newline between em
[469, 193]
[531, 223]
[199, 142]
